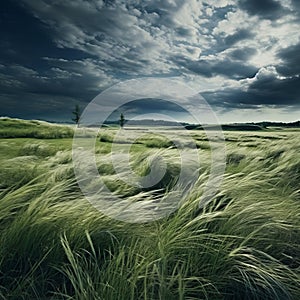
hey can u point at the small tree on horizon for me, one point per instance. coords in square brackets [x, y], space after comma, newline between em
[122, 120]
[76, 112]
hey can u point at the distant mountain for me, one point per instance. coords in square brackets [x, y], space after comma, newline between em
[254, 126]
[148, 122]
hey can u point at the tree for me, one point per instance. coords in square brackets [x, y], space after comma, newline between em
[122, 120]
[76, 112]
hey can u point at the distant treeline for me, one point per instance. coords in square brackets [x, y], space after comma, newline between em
[245, 126]
[239, 127]
[278, 124]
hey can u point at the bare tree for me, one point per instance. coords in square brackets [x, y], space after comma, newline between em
[122, 120]
[76, 112]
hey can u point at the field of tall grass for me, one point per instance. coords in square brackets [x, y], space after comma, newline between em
[244, 244]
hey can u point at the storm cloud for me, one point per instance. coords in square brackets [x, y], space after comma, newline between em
[237, 53]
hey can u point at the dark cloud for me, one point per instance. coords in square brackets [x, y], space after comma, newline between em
[152, 105]
[240, 35]
[291, 61]
[38, 106]
[224, 41]
[25, 39]
[213, 67]
[130, 39]
[138, 107]
[242, 54]
[265, 9]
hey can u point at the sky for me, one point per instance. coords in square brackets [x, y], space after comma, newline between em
[242, 56]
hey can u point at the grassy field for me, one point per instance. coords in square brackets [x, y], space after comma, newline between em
[244, 244]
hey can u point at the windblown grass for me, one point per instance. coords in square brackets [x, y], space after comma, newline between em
[15, 128]
[244, 244]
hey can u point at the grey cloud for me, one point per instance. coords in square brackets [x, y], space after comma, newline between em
[165, 10]
[114, 21]
[109, 31]
[266, 9]
[134, 38]
[130, 38]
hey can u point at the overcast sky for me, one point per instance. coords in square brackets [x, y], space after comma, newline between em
[242, 56]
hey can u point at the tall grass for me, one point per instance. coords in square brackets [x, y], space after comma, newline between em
[15, 128]
[242, 245]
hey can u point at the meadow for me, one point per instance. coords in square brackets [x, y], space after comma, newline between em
[243, 244]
